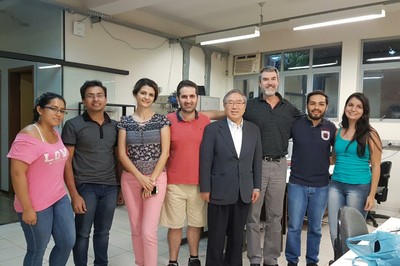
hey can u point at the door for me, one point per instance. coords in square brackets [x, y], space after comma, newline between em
[20, 102]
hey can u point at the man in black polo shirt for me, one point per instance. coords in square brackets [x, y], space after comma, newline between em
[90, 172]
[274, 116]
[313, 136]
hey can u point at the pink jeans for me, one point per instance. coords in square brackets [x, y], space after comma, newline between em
[144, 215]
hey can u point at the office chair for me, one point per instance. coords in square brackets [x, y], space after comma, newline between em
[350, 223]
[381, 192]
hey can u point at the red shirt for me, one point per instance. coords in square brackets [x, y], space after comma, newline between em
[186, 136]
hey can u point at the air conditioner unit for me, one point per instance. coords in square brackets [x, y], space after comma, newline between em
[246, 64]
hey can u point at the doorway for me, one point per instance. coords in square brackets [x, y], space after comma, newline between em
[20, 103]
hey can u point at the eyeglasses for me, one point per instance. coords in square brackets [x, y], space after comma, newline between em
[94, 96]
[56, 110]
[232, 103]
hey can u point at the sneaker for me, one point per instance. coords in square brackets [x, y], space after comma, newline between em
[292, 264]
[194, 262]
[312, 264]
[173, 264]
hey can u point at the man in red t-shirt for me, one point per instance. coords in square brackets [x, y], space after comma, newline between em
[182, 201]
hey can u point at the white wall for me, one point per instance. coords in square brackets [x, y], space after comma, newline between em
[163, 64]
[351, 36]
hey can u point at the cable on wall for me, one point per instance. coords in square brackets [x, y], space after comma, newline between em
[131, 46]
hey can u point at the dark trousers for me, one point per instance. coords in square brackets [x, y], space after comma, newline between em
[226, 220]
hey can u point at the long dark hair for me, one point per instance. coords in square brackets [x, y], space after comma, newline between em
[44, 100]
[363, 128]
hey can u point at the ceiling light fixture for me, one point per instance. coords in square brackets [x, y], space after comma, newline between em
[231, 35]
[374, 77]
[341, 17]
[314, 66]
[386, 58]
[50, 66]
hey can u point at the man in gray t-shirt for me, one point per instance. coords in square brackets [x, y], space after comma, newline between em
[90, 173]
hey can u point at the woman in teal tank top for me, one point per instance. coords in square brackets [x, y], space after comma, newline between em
[357, 157]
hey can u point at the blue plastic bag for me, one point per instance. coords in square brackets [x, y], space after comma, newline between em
[380, 248]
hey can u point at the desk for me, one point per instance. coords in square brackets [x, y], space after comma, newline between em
[391, 224]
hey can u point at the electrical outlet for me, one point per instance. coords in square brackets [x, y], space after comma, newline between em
[394, 143]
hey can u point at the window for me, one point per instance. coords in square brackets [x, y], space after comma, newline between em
[327, 56]
[273, 60]
[297, 60]
[307, 70]
[329, 83]
[381, 77]
[31, 27]
[384, 51]
[295, 86]
[382, 87]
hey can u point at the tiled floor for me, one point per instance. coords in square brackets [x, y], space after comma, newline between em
[12, 245]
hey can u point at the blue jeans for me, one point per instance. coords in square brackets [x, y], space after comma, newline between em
[342, 194]
[302, 200]
[100, 203]
[57, 221]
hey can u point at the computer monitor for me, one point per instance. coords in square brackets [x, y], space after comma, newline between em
[202, 90]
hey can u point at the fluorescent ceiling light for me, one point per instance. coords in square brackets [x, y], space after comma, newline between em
[342, 17]
[374, 77]
[386, 58]
[315, 66]
[50, 66]
[228, 36]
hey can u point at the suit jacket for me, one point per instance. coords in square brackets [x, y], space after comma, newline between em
[222, 172]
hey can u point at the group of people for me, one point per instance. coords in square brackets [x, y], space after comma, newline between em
[180, 169]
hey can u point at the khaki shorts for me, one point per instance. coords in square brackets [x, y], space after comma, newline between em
[183, 202]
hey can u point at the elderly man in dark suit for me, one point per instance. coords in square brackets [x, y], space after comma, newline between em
[230, 179]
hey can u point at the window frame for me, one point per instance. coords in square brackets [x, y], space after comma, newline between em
[377, 67]
[309, 72]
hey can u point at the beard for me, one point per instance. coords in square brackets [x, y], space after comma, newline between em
[317, 116]
[269, 92]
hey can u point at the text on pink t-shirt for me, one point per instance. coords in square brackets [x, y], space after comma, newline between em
[45, 172]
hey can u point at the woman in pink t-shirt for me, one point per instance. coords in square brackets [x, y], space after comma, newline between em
[38, 157]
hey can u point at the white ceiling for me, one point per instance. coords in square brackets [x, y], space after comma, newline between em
[183, 18]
